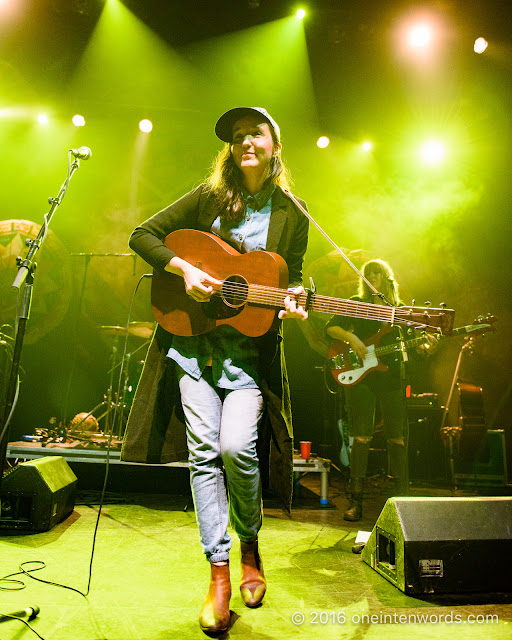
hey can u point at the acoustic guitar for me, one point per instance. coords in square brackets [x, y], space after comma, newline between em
[253, 289]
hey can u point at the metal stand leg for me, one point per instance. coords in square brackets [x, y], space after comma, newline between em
[324, 484]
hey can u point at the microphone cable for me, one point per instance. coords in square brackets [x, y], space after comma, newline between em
[118, 392]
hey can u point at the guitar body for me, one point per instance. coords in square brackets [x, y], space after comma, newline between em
[346, 368]
[241, 274]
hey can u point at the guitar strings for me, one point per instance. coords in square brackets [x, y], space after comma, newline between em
[240, 293]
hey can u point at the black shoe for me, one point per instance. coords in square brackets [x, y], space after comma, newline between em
[355, 509]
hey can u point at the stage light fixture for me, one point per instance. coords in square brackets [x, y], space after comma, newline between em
[322, 142]
[481, 45]
[300, 14]
[78, 120]
[367, 146]
[145, 126]
[420, 36]
[432, 152]
[42, 118]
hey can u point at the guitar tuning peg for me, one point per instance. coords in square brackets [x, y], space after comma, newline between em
[428, 303]
[443, 304]
[414, 302]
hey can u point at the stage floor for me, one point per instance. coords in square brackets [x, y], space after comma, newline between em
[149, 576]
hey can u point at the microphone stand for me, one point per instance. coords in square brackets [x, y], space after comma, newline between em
[25, 275]
[335, 246]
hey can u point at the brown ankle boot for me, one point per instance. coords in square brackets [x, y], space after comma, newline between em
[253, 584]
[214, 616]
[355, 507]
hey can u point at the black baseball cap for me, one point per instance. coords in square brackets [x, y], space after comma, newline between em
[224, 126]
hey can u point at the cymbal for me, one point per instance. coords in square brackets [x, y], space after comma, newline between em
[142, 329]
[113, 331]
[138, 329]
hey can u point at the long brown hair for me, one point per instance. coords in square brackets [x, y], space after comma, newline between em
[226, 180]
[389, 284]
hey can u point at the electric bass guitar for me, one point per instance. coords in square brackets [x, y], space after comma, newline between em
[348, 369]
[253, 289]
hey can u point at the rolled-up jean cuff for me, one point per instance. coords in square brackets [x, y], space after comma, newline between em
[218, 557]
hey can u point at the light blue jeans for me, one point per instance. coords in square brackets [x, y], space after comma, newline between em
[222, 431]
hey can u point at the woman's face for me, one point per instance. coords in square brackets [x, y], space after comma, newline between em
[253, 145]
[376, 278]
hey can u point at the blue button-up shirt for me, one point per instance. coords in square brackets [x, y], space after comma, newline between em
[235, 357]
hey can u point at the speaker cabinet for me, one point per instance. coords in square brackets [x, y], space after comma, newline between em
[36, 495]
[487, 467]
[427, 458]
[443, 545]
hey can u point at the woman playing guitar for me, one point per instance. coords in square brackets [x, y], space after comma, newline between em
[383, 387]
[229, 389]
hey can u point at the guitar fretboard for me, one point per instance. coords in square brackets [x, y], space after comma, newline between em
[264, 296]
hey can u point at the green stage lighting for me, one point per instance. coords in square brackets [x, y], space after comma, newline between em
[433, 152]
[78, 120]
[300, 14]
[322, 142]
[145, 126]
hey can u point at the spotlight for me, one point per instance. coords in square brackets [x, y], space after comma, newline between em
[420, 36]
[42, 118]
[322, 142]
[300, 14]
[367, 146]
[432, 152]
[145, 126]
[78, 120]
[481, 45]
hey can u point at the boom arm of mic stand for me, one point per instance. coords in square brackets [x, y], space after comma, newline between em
[26, 265]
[333, 244]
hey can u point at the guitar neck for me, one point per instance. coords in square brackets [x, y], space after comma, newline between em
[414, 342]
[273, 297]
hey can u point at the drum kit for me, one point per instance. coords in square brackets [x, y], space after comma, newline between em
[124, 374]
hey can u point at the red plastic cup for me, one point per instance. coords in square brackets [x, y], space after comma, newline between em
[305, 449]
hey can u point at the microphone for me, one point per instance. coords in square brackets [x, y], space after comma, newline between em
[83, 153]
[30, 613]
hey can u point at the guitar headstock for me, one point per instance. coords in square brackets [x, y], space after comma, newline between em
[427, 319]
[482, 324]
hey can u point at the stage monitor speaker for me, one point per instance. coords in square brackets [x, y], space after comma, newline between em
[36, 495]
[443, 545]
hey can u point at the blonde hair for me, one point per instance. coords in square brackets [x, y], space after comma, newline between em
[389, 284]
[225, 180]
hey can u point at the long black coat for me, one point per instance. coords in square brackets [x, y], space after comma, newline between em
[155, 432]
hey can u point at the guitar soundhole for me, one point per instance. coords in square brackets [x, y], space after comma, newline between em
[234, 291]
